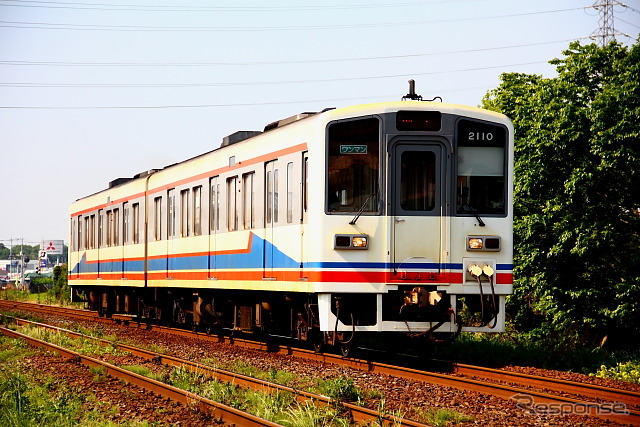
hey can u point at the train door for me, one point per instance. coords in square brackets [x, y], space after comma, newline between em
[214, 223]
[100, 245]
[417, 197]
[271, 216]
[171, 231]
[126, 237]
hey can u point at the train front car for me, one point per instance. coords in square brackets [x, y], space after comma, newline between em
[417, 227]
[382, 218]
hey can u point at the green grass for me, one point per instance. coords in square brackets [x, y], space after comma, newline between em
[86, 346]
[28, 401]
[442, 417]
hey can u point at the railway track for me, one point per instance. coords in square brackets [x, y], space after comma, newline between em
[356, 413]
[534, 394]
[224, 414]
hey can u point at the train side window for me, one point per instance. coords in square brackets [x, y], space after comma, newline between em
[276, 186]
[353, 166]
[248, 203]
[92, 232]
[305, 188]
[171, 213]
[109, 226]
[125, 223]
[197, 211]
[214, 204]
[116, 224]
[271, 193]
[136, 222]
[72, 243]
[80, 241]
[269, 204]
[100, 228]
[157, 218]
[232, 211]
[290, 187]
[185, 211]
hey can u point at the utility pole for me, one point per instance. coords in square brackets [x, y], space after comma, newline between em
[606, 31]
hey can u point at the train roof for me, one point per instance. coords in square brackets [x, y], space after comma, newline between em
[328, 114]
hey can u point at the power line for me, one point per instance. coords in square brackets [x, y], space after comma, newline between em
[255, 83]
[259, 63]
[183, 8]
[90, 27]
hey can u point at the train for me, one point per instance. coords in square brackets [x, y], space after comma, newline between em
[383, 219]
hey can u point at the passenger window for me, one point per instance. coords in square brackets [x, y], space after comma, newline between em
[214, 208]
[157, 218]
[136, 223]
[248, 200]
[232, 212]
[125, 223]
[271, 193]
[184, 213]
[116, 224]
[197, 212]
[80, 241]
[171, 213]
[290, 188]
[100, 228]
[92, 232]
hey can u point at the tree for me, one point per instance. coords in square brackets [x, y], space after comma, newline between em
[577, 192]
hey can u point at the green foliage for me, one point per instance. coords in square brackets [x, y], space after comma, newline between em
[625, 371]
[442, 417]
[61, 288]
[341, 389]
[577, 218]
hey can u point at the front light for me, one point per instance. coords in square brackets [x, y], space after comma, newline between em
[474, 243]
[360, 241]
[351, 241]
[483, 243]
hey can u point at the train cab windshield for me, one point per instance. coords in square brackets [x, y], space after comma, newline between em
[481, 169]
[353, 166]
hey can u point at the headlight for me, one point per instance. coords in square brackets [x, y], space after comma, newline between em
[483, 243]
[351, 241]
[475, 243]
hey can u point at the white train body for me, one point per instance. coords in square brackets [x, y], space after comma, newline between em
[390, 217]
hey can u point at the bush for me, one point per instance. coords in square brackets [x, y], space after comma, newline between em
[623, 371]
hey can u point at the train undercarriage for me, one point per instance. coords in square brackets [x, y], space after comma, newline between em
[293, 315]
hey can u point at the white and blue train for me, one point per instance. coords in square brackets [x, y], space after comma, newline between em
[393, 217]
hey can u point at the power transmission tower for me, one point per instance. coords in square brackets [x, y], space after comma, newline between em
[606, 31]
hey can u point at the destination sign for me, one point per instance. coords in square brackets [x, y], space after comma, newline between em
[353, 149]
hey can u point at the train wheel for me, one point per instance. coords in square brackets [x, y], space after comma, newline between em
[317, 340]
[346, 343]
[345, 349]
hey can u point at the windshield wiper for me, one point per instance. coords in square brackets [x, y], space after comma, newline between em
[475, 213]
[364, 205]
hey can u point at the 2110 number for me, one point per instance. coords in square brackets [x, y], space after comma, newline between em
[480, 136]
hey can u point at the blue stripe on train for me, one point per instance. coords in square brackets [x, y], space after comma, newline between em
[262, 254]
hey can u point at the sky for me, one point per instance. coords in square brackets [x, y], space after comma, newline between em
[91, 91]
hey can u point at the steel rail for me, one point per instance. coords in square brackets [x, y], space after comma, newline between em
[357, 413]
[582, 407]
[224, 413]
[627, 397]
